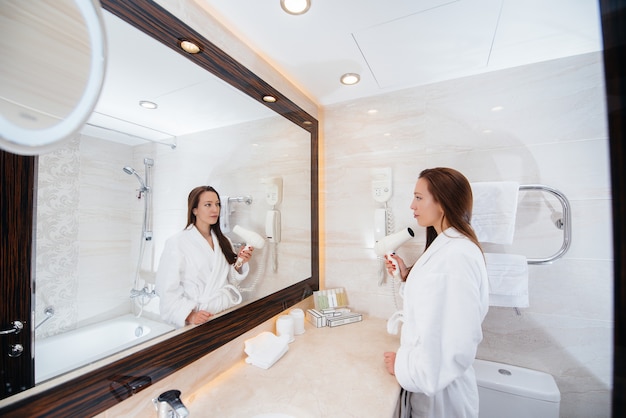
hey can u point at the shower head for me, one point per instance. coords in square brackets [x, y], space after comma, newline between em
[130, 171]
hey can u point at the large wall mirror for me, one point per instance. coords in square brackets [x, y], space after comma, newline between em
[107, 201]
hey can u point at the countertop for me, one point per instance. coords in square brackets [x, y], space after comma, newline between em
[327, 372]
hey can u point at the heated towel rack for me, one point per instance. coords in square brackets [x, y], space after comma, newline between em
[245, 199]
[564, 223]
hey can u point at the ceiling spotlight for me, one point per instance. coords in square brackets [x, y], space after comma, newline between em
[295, 7]
[148, 105]
[189, 46]
[350, 79]
[269, 99]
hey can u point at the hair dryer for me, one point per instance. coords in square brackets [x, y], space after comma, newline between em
[251, 238]
[390, 243]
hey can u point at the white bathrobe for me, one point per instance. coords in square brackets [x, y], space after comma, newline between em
[446, 298]
[193, 276]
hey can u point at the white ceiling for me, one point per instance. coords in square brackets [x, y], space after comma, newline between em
[395, 44]
[189, 98]
[392, 44]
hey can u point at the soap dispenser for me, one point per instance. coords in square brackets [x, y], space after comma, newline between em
[169, 405]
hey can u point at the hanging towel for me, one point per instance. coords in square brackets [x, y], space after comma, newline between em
[508, 280]
[494, 211]
[265, 349]
[225, 214]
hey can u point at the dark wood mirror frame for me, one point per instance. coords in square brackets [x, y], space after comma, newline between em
[91, 393]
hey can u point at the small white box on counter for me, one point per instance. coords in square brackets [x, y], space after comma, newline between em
[316, 318]
[344, 318]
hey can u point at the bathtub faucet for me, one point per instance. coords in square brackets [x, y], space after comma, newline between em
[134, 293]
[49, 312]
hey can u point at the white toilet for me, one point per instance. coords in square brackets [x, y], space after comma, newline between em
[515, 392]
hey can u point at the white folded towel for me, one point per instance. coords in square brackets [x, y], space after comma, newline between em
[508, 280]
[494, 211]
[265, 349]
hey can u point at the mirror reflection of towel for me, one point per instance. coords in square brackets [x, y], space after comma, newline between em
[494, 211]
[266, 349]
[508, 280]
[225, 214]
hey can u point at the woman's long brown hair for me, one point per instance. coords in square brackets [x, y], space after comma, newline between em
[453, 192]
[192, 203]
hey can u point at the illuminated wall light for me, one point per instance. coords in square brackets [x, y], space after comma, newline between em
[497, 108]
[372, 111]
[269, 99]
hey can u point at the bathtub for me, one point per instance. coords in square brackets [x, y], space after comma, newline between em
[65, 352]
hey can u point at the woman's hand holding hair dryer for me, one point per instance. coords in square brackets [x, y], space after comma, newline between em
[253, 240]
[387, 246]
[391, 266]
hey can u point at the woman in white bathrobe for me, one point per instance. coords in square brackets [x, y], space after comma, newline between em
[446, 298]
[198, 265]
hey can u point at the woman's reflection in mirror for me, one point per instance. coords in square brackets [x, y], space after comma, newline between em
[197, 266]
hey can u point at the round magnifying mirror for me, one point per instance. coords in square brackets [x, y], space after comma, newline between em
[53, 63]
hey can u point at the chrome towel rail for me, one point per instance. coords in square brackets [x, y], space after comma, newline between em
[245, 199]
[565, 223]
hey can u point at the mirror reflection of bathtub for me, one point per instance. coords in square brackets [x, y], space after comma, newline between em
[70, 350]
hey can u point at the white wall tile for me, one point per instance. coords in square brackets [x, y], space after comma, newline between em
[552, 130]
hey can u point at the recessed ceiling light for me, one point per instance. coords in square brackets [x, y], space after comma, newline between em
[350, 79]
[295, 7]
[189, 46]
[269, 99]
[147, 104]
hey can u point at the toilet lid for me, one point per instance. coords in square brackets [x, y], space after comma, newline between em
[516, 380]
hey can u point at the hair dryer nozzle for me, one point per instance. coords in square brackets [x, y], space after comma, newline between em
[250, 237]
[391, 242]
